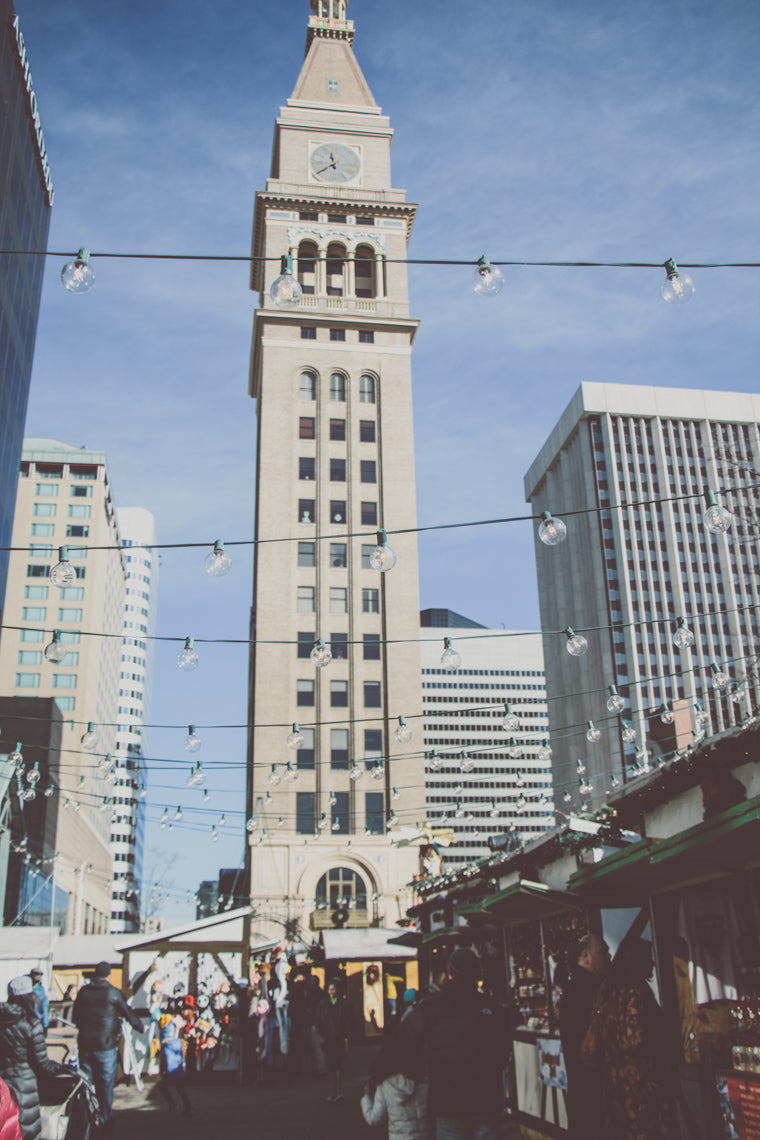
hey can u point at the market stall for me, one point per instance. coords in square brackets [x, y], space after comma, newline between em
[375, 971]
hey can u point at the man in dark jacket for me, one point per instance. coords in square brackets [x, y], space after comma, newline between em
[584, 1110]
[98, 1011]
[463, 1036]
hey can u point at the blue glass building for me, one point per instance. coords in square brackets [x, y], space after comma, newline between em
[26, 198]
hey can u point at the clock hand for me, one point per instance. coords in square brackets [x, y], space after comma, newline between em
[324, 168]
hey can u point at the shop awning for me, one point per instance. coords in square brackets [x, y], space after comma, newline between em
[447, 934]
[526, 901]
[628, 870]
[408, 938]
[362, 944]
[726, 842]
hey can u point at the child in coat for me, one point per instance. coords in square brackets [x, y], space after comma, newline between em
[400, 1098]
[173, 1074]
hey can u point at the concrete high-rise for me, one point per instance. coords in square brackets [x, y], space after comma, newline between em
[637, 462]
[64, 499]
[26, 198]
[484, 779]
[335, 463]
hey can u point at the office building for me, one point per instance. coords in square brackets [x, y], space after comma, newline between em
[138, 536]
[483, 779]
[26, 198]
[64, 643]
[335, 463]
[637, 562]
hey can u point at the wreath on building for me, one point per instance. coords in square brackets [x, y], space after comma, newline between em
[373, 974]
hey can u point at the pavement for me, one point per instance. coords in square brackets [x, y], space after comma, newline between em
[280, 1108]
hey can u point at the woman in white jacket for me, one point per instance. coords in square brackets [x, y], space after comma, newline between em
[403, 1102]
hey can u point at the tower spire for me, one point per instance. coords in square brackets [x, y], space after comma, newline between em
[329, 22]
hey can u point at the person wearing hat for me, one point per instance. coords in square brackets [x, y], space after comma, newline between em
[98, 1011]
[23, 1053]
[463, 1038]
[39, 991]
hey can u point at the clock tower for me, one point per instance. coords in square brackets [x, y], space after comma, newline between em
[333, 823]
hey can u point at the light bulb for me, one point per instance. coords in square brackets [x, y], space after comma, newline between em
[280, 821]
[544, 751]
[719, 679]
[286, 292]
[552, 531]
[494, 810]
[382, 557]
[585, 788]
[487, 280]
[435, 761]
[615, 702]
[738, 695]
[592, 732]
[199, 776]
[187, 658]
[333, 799]
[568, 797]
[15, 757]
[716, 518]
[355, 772]
[667, 715]
[164, 815]
[49, 791]
[520, 803]
[576, 643]
[78, 276]
[55, 650]
[218, 562]
[513, 749]
[392, 819]
[335, 825]
[459, 810]
[580, 767]
[296, 738]
[700, 715]
[628, 732]
[450, 659]
[214, 835]
[274, 776]
[88, 740]
[403, 732]
[378, 771]
[206, 796]
[28, 793]
[466, 763]
[192, 740]
[614, 782]
[322, 821]
[519, 779]
[321, 654]
[677, 288]
[291, 772]
[178, 814]
[510, 722]
[63, 573]
[683, 637]
[143, 792]
[396, 795]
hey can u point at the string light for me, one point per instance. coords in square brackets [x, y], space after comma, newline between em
[333, 798]
[487, 280]
[178, 814]
[274, 776]
[55, 650]
[16, 758]
[296, 738]
[396, 794]
[355, 771]
[719, 679]
[513, 750]
[382, 557]
[592, 732]
[392, 819]
[466, 762]
[434, 762]
[321, 654]
[678, 287]
[683, 638]
[218, 563]
[403, 733]
[377, 771]
[78, 276]
[628, 732]
[576, 643]
[63, 573]
[192, 742]
[291, 772]
[250, 826]
[511, 722]
[286, 291]
[450, 658]
[214, 835]
[544, 751]
[667, 715]
[580, 767]
[552, 531]
[88, 740]
[716, 518]
[187, 658]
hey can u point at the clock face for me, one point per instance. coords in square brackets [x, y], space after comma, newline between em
[333, 162]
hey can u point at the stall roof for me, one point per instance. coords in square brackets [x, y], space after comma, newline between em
[193, 931]
[526, 900]
[408, 938]
[725, 842]
[89, 949]
[362, 944]
[629, 867]
[25, 941]
[447, 934]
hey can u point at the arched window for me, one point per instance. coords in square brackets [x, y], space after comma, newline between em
[342, 887]
[307, 386]
[307, 266]
[336, 267]
[364, 264]
[367, 390]
[338, 387]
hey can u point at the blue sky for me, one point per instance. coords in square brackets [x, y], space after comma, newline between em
[530, 130]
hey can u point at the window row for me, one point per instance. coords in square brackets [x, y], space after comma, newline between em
[309, 332]
[339, 645]
[39, 613]
[34, 657]
[307, 512]
[308, 384]
[76, 510]
[336, 273]
[307, 429]
[47, 530]
[32, 680]
[307, 469]
[50, 491]
[339, 757]
[72, 637]
[340, 824]
[306, 693]
[307, 600]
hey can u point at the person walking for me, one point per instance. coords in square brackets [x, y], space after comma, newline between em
[98, 1011]
[584, 1108]
[23, 1053]
[40, 993]
[332, 1026]
[463, 1039]
[173, 1075]
[401, 1098]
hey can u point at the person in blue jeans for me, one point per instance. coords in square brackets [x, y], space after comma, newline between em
[98, 1011]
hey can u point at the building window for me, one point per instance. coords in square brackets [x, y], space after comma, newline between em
[338, 600]
[306, 467]
[339, 749]
[43, 509]
[332, 84]
[370, 601]
[306, 427]
[304, 813]
[337, 334]
[305, 754]
[337, 387]
[367, 549]
[34, 613]
[341, 887]
[368, 471]
[367, 390]
[366, 431]
[307, 383]
[339, 814]
[38, 592]
[366, 336]
[27, 680]
[305, 694]
[339, 694]
[32, 635]
[79, 510]
[37, 570]
[371, 646]
[307, 259]
[306, 599]
[66, 704]
[29, 657]
[306, 511]
[337, 430]
[64, 680]
[305, 644]
[307, 554]
[69, 613]
[365, 221]
[308, 332]
[338, 555]
[46, 490]
[374, 813]
[71, 659]
[43, 530]
[339, 646]
[338, 510]
[71, 594]
[336, 257]
[369, 514]
[373, 743]
[77, 530]
[372, 695]
[80, 492]
[337, 470]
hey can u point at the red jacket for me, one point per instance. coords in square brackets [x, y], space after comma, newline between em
[10, 1129]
